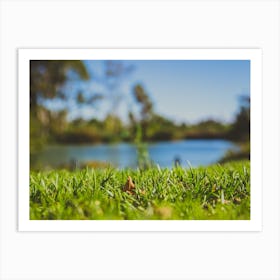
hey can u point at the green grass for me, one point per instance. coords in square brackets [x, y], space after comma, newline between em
[220, 192]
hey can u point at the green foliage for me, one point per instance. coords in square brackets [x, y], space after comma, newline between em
[112, 124]
[45, 127]
[80, 131]
[208, 129]
[143, 99]
[219, 192]
[48, 76]
[146, 108]
[240, 130]
[79, 136]
[160, 128]
[37, 134]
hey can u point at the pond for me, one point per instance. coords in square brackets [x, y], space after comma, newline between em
[195, 152]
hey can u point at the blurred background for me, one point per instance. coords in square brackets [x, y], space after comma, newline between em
[138, 113]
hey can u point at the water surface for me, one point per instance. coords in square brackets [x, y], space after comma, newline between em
[196, 152]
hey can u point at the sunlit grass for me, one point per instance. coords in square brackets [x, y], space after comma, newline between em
[215, 192]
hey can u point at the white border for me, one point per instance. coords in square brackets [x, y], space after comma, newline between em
[254, 55]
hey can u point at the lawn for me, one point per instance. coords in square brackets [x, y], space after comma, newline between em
[220, 192]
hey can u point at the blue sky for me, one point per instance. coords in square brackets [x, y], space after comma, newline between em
[183, 90]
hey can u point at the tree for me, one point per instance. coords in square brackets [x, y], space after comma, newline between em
[240, 130]
[143, 99]
[112, 79]
[47, 78]
[146, 113]
[146, 107]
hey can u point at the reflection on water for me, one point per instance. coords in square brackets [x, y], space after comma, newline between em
[197, 152]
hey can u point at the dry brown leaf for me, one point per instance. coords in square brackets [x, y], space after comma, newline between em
[129, 186]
